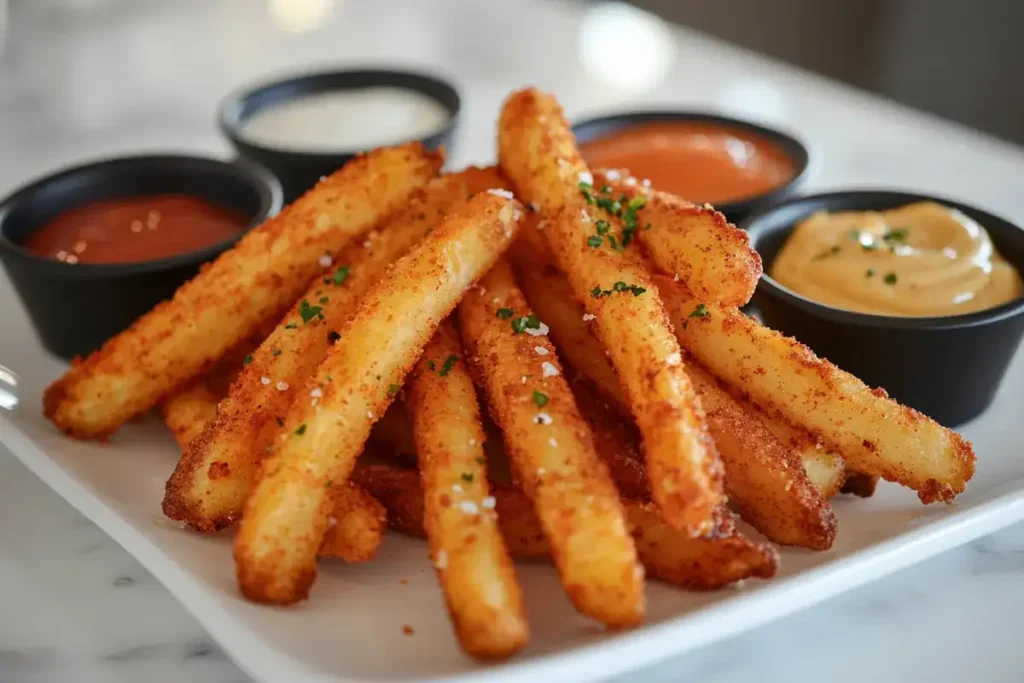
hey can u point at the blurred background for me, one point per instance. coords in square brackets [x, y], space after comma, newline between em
[956, 58]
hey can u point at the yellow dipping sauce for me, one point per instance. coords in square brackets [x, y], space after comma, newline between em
[920, 260]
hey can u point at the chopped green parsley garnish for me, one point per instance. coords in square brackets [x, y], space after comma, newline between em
[330, 483]
[870, 272]
[430, 364]
[619, 286]
[539, 399]
[596, 292]
[324, 299]
[394, 389]
[525, 322]
[301, 430]
[467, 476]
[308, 312]
[602, 227]
[614, 243]
[481, 461]
[700, 312]
[291, 326]
[340, 275]
[333, 337]
[275, 352]
[897, 235]
[247, 359]
[279, 421]
[449, 363]
[835, 249]
[594, 241]
[587, 190]
[890, 278]
[505, 313]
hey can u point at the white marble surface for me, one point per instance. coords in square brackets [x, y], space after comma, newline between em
[82, 79]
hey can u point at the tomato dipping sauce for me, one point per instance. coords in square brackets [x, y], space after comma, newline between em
[699, 161]
[135, 229]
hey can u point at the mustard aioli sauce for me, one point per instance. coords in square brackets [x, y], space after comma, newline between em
[920, 260]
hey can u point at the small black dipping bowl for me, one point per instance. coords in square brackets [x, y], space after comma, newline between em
[75, 308]
[300, 170]
[735, 210]
[947, 367]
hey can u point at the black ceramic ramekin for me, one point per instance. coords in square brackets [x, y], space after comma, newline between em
[75, 308]
[297, 170]
[946, 367]
[737, 209]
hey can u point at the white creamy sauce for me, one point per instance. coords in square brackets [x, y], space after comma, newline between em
[346, 120]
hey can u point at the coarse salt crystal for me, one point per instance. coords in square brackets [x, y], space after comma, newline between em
[264, 380]
[587, 317]
[498, 192]
[469, 507]
[535, 206]
[316, 392]
[282, 386]
[488, 503]
[441, 561]
[540, 350]
[457, 488]
[675, 277]
[612, 174]
[367, 244]
[674, 359]
[369, 414]
[646, 182]
[543, 419]
[325, 261]
[332, 521]
[524, 379]
[630, 181]
[549, 370]
[541, 471]
[541, 330]
[553, 442]
[585, 177]
[472, 442]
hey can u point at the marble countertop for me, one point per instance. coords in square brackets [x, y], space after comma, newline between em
[88, 78]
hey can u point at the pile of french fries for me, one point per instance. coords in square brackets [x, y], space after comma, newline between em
[596, 319]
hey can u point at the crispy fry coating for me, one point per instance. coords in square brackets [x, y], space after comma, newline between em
[258, 277]
[713, 257]
[825, 467]
[763, 478]
[189, 409]
[692, 563]
[875, 434]
[468, 552]
[215, 475]
[552, 451]
[356, 525]
[327, 426]
[539, 155]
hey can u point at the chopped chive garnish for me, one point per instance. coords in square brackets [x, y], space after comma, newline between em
[247, 359]
[340, 275]
[593, 241]
[890, 278]
[275, 352]
[505, 313]
[700, 312]
[394, 389]
[301, 430]
[525, 322]
[539, 399]
[449, 363]
[467, 476]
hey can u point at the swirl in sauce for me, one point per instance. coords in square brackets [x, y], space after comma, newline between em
[920, 260]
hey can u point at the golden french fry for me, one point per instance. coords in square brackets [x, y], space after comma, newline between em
[257, 278]
[695, 243]
[539, 155]
[189, 409]
[552, 451]
[356, 525]
[763, 478]
[825, 467]
[325, 429]
[473, 566]
[875, 434]
[209, 487]
[705, 563]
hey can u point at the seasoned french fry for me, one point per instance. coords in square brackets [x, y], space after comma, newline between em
[357, 522]
[763, 478]
[260, 276]
[286, 516]
[695, 243]
[825, 467]
[552, 451]
[538, 154]
[693, 563]
[473, 566]
[215, 475]
[189, 409]
[875, 434]
[355, 527]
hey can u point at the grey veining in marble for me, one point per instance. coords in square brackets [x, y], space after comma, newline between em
[86, 78]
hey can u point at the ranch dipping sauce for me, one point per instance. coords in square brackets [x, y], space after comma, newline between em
[920, 260]
[346, 120]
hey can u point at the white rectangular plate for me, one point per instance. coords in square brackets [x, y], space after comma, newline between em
[351, 629]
